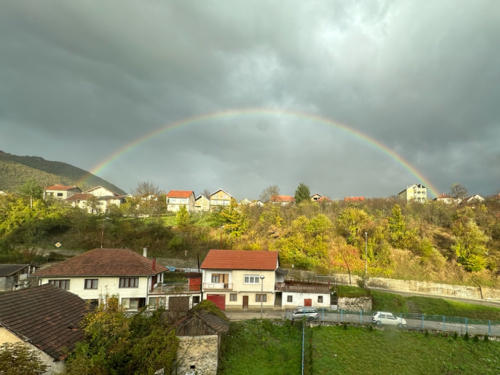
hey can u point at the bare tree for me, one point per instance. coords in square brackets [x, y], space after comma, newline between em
[206, 193]
[458, 191]
[146, 189]
[269, 192]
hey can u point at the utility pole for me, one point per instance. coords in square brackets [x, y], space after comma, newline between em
[261, 293]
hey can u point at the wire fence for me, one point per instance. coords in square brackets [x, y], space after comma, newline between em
[415, 321]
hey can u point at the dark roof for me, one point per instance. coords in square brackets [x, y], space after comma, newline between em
[78, 197]
[241, 260]
[10, 269]
[104, 262]
[211, 320]
[46, 316]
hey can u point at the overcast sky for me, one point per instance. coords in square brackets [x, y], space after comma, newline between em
[81, 79]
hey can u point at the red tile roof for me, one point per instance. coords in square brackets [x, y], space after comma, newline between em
[78, 197]
[46, 316]
[282, 198]
[324, 199]
[241, 260]
[443, 196]
[104, 262]
[61, 187]
[354, 199]
[180, 193]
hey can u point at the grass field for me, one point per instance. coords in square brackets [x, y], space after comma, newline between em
[432, 306]
[363, 351]
[254, 347]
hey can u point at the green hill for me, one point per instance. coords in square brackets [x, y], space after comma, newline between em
[14, 170]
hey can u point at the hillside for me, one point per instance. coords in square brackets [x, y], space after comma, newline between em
[14, 170]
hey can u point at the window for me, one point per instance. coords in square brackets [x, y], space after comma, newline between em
[216, 278]
[63, 284]
[233, 297]
[156, 302]
[261, 298]
[320, 299]
[251, 279]
[289, 299]
[59, 194]
[90, 284]
[129, 282]
[196, 300]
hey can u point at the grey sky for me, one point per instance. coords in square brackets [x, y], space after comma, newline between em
[79, 80]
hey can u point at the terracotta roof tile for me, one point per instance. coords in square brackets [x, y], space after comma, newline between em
[78, 197]
[282, 198]
[180, 193]
[46, 316]
[354, 199]
[241, 260]
[104, 262]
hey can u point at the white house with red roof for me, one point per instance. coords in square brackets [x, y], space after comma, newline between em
[178, 198]
[236, 279]
[60, 191]
[282, 199]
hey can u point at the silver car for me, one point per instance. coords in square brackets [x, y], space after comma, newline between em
[310, 313]
[386, 318]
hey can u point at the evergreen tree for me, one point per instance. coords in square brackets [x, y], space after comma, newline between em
[302, 194]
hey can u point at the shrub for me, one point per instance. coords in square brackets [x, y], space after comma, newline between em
[466, 336]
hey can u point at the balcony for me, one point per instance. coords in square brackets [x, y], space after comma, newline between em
[302, 287]
[217, 286]
[175, 288]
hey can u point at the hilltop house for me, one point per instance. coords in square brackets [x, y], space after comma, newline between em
[219, 198]
[95, 204]
[178, 198]
[202, 204]
[414, 193]
[13, 276]
[107, 271]
[446, 199]
[282, 199]
[60, 191]
[46, 318]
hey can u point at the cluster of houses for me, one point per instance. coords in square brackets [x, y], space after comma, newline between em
[418, 193]
[47, 316]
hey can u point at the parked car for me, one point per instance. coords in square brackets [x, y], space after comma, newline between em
[310, 313]
[386, 318]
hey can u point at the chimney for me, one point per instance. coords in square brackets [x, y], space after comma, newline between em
[145, 252]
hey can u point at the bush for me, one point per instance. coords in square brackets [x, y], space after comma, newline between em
[466, 336]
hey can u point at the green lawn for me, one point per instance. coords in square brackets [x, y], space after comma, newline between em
[432, 306]
[361, 351]
[262, 348]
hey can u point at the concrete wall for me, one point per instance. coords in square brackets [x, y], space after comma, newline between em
[355, 304]
[200, 351]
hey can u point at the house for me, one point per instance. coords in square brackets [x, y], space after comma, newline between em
[446, 199]
[99, 191]
[354, 199]
[102, 204]
[236, 279]
[414, 193]
[324, 200]
[219, 198]
[316, 197]
[13, 276]
[44, 317]
[199, 336]
[202, 204]
[80, 200]
[245, 201]
[105, 203]
[298, 293]
[256, 203]
[60, 191]
[282, 199]
[131, 276]
[178, 198]
[473, 199]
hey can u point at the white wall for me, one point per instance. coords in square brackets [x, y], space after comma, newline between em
[298, 299]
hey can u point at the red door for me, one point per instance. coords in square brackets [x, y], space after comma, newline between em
[218, 299]
[308, 302]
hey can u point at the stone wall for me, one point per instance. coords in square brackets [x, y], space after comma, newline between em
[201, 351]
[355, 304]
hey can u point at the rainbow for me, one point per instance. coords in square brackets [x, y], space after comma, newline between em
[259, 111]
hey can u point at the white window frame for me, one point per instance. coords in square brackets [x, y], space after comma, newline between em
[251, 279]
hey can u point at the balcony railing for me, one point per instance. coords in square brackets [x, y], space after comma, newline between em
[220, 286]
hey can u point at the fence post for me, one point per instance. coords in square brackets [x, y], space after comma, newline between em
[422, 323]
[444, 323]
[322, 314]
[489, 327]
[466, 330]
[361, 317]
[340, 315]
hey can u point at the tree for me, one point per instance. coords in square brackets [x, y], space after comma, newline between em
[401, 238]
[206, 193]
[183, 218]
[458, 191]
[302, 194]
[470, 244]
[146, 189]
[31, 189]
[269, 192]
[350, 222]
[19, 359]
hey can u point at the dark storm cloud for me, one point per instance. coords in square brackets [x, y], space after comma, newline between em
[420, 77]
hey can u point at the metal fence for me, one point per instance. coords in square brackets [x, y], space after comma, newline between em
[415, 321]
